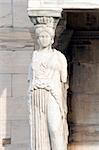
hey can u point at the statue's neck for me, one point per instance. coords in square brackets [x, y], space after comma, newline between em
[46, 49]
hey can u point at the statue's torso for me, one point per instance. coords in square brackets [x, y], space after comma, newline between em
[46, 69]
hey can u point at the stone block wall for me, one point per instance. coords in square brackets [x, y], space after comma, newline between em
[14, 13]
[16, 47]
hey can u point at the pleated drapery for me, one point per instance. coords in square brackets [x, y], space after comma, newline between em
[40, 134]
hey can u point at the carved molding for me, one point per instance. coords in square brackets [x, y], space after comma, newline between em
[44, 20]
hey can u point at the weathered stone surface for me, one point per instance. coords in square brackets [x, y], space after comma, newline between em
[95, 47]
[84, 133]
[84, 85]
[14, 13]
[5, 14]
[83, 53]
[5, 129]
[17, 128]
[15, 147]
[86, 50]
[12, 129]
[19, 85]
[84, 118]
[86, 107]
[5, 85]
[88, 21]
[14, 109]
[16, 39]
[15, 34]
[84, 146]
[15, 62]
[85, 78]
[21, 18]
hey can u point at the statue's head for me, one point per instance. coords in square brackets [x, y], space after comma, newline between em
[44, 35]
[44, 30]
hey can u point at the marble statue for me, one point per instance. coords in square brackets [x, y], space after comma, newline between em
[47, 79]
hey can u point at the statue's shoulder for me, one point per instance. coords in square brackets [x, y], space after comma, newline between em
[34, 54]
[60, 54]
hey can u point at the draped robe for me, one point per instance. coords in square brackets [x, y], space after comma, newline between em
[47, 73]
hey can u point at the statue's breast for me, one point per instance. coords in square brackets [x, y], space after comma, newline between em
[45, 65]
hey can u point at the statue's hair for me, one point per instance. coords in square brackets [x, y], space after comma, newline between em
[41, 28]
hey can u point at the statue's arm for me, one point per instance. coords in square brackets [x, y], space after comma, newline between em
[64, 89]
[65, 86]
[63, 72]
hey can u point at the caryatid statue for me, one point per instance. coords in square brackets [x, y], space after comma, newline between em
[47, 79]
